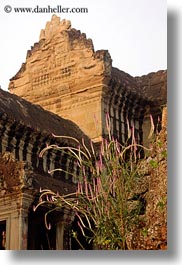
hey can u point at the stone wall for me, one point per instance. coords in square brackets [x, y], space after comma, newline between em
[19, 189]
[65, 75]
[151, 231]
[25, 129]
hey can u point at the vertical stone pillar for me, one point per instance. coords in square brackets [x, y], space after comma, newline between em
[164, 117]
[14, 210]
[146, 128]
[62, 227]
[59, 236]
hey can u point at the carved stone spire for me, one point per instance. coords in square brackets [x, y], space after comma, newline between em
[64, 74]
[54, 26]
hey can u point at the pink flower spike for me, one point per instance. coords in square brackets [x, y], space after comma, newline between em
[86, 190]
[81, 228]
[83, 170]
[90, 188]
[102, 149]
[128, 128]
[151, 120]
[96, 190]
[107, 116]
[92, 147]
[52, 198]
[97, 167]
[107, 121]
[101, 164]
[81, 188]
[49, 227]
[106, 144]
[98, 183]
[152, 127]
[117, 147]
[93, 183]
[78, 187]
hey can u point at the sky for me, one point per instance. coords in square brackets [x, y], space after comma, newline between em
[134, 32]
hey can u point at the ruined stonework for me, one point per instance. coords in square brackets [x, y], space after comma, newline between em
[25, 129]
[23, 172]
[66, 88]
[64, 74]
[151, 233]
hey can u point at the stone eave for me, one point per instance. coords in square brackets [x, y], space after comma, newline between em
[36, 118]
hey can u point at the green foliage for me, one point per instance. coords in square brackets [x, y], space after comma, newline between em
[145, 232]
[159, 143]
[162, 204]
[104, 188]
[164, 153]
[153, 163]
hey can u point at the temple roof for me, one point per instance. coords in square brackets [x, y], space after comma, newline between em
[32, 119]
[151, 88]
[36, 118]
[18, 175]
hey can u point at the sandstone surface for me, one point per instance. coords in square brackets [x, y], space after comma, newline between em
[64, 75]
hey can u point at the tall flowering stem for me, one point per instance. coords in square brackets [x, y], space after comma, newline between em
[104, 187]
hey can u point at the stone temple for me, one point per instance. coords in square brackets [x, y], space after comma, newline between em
[65, 87]
[64, 75]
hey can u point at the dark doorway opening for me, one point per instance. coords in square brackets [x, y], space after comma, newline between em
[2, 235]
[39, 237]
[81, 242]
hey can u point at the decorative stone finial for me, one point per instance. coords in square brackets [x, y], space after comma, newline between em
[54, 26]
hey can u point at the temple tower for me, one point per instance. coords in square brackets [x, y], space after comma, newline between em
[64, 75]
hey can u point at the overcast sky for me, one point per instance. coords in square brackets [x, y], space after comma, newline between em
[134, 32]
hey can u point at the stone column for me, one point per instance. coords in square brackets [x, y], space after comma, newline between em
[61, 229]
[59, 235]
[14, 210]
